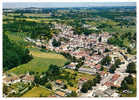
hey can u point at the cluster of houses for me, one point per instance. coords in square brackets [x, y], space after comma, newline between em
[81, 46]
[12, 78]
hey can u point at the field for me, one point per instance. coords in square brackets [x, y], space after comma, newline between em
[38, 92]
[40, 63]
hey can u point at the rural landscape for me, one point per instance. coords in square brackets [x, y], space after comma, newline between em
[69, 51]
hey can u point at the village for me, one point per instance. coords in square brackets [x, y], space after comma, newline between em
[92, 49]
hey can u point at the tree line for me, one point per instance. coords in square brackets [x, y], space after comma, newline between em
[14, 54]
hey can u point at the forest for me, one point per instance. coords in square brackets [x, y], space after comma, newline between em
[14, 54]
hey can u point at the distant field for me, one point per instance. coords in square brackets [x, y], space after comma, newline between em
[40, 63]
[38, 92]
[36, 15]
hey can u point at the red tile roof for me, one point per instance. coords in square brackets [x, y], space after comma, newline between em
[98, 66]
[115, 77]
[109, 84]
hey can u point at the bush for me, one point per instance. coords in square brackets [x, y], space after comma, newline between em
[131, 68]
[48, 85]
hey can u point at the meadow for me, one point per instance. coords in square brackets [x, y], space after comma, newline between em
[38, 92]
[40, 62]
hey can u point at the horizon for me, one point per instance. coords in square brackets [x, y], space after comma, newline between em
[65, 4]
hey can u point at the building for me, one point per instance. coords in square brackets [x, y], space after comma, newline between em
[87, 70]
[60, 93]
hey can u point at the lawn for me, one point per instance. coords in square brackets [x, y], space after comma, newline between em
[40, 63]
[38, 92]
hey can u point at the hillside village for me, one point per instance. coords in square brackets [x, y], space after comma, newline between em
[92, 49]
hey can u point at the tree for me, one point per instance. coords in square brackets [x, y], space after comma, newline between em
[5, 89]
[106, 50]
[56, 43]
[131, 68]
[43, 80]
[124, 85]
[79, 65]
[100, 39]
[112, 68]
[88, 85]
[102, 68]
[84, 88]
[98, 78]
[67, 63]
[37, 79]
[31, 72]
[48, 85]
[65, 86]
[54, 70]
[129, 79]
[72, 94]
[14, 53]
[99, 53]
[117, 62]
[70, 83]
[106, 60]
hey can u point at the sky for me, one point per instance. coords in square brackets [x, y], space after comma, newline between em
[64, 4]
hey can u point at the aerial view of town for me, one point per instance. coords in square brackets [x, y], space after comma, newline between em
[69, 49]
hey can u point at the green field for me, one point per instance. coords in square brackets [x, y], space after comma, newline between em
[38, 92]
[40, 62]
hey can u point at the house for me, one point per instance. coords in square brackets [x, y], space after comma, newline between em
[60, 93]
[59, 82]
[99, 93]
[87, 70]
[103, 74]
[98, 66]
[115, 77]
[11, 79]
[71, 66]
[83, 79]
[109, 84]
[118, 82]
[28, 78]
[109, 92]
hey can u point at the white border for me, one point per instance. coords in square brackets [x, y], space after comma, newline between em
[137, 2]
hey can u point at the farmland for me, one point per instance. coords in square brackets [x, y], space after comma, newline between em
[38, 92]
[40, 62]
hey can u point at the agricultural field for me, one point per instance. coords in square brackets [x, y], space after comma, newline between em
[40, 62]
[38, 92]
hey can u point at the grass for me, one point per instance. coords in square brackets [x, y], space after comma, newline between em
[15, 36]
[38, 92]
[40, 63]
